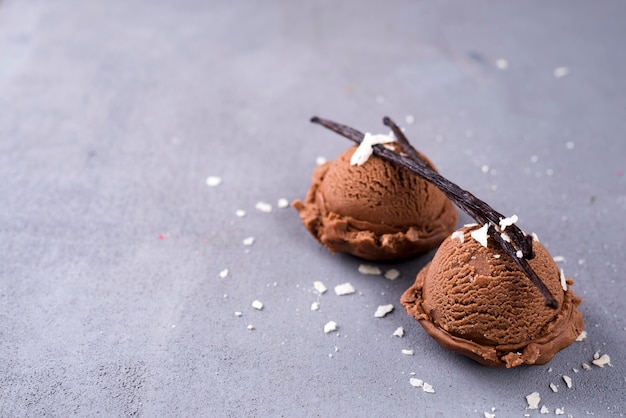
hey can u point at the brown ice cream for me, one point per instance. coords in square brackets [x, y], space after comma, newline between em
[476, 301]
[376, 211]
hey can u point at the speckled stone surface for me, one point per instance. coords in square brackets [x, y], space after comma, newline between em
[113, 115]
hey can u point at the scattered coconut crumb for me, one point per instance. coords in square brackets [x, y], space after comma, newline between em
[224, 273]
[344, 289]
[489, 415]
[407, 352]
[561, 72]
[320, 160]
[544, 410]
[282, 203]
[399, 332]
[484, 168]
[554, 387]
[504, 222]
[213, 181]
[251, 327]
[601, 361]
[330, 327]
[480, 235]
[582, 336]
[502, 64]
[534, 159]
[533, 400]
[585, 366]
[248, 241]
[367, 269]
[315, 306]
[320, 287]
[559, 411]
[392, 274]
[558, 259]
[563, 280]
[458, 235]
[568, 381]
[240, 213]
[257, 304]
[383, 310]
[415, 382]
[263, 207]
[237, 313]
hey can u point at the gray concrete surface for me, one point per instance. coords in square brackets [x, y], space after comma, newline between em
[113, 114]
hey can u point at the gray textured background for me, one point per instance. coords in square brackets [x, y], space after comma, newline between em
[113, 114]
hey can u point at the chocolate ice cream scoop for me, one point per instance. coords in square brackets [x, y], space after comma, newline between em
[476, 301]
[377, 210]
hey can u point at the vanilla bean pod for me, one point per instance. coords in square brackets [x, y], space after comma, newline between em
[479, 210]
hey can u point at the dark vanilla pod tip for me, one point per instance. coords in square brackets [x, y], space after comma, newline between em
[510, 238]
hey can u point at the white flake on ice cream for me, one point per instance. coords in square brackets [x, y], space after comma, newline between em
[458, 235]
[365, 148]
[563, 280]
[504, 222]
[480, 235]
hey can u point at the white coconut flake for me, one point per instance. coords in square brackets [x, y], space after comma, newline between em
[497, 256]
[480, 235]
[415, 382]
[602, 361]
[240, 213]
[365, 148]
[320, 160]
[554, 387]
[428, 388]
[558, 259]
[472, 225]
[559, 411]
[502, 64]
[344, 289]
[407, 352]
[582, 336]
[561, 72]
[458, 235]
[367, 269]
[330, 327]
[263, 207]
[213, 181]
[585, 366]
[237, 313]
[392, 274]
[504, 222]
[563, 280]
[535, 236]
[248, 241]
[383, 310]
[489, 415]
[399, 332]
[519, 254]
[533, 400]
[282, 203]
[505, 237]
[544, 410]
[568, 381]
[257, 304]
[320, 287]
[251, 327]
[224, 273]
[315, 306]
